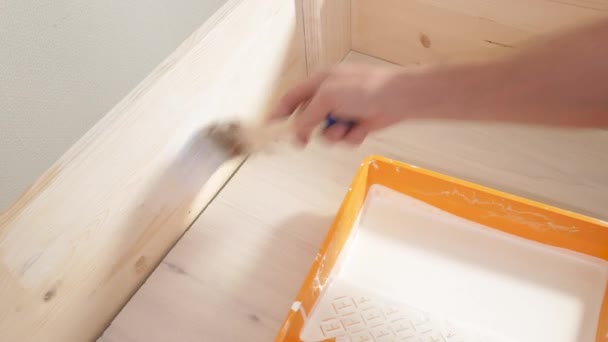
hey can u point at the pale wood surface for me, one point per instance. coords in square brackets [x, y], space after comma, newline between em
[429, 31]
[327, 30]
[234, 274]
[76, 246]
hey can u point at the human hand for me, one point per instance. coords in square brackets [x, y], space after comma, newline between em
[368, 96]
[530, 87]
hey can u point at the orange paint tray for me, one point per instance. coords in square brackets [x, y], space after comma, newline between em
[337, 303]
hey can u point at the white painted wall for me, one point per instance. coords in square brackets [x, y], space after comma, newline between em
[65, 63]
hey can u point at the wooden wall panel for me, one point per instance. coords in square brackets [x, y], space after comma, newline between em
[327, 28]
[78, 244]
[429, 31]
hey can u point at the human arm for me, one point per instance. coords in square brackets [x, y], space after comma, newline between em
[561, 81]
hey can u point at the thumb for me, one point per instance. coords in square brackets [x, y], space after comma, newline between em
[315, 113]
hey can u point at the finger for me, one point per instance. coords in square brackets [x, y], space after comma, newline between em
[297, 95]
[311, 117]
[335, 132]
[357, 135]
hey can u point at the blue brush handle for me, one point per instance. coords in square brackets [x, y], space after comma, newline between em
[330, 121]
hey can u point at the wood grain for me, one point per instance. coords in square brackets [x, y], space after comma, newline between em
[431, 31]
[234, 274]
[327, 29]
[78, 244]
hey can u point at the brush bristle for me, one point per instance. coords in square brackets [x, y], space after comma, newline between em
[229, 136]
[245, 137]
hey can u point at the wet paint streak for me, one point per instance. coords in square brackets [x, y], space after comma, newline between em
[510, 213]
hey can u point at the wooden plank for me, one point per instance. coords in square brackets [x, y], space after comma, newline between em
[76, 246]
[327, 29]
[431, 31]
[234, 275]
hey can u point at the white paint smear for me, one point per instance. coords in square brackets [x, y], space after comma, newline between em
[413, 272]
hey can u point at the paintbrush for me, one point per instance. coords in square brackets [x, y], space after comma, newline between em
[242, 137]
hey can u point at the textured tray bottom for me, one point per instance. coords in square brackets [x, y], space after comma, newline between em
[354, 315]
